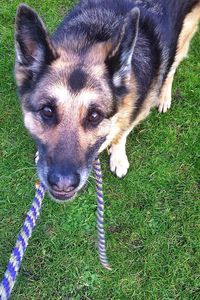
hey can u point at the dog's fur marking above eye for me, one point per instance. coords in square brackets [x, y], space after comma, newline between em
[108, 63]
[77, 80]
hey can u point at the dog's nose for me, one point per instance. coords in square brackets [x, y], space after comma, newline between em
[67, 183]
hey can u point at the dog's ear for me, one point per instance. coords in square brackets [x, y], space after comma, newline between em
[123, 44]
[32, 44]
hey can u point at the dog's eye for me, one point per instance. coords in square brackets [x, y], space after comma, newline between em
[47, 112]
[94, 118]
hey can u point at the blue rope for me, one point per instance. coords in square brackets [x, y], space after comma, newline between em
[100, 215]
[13, 267]
[18, 252]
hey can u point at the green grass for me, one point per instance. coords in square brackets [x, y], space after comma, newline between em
[152, 215]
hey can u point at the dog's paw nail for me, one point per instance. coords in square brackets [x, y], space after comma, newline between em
[164, 107]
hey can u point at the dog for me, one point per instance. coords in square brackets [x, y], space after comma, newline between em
[87, 86]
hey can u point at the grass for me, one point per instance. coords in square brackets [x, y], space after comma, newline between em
[152, 215]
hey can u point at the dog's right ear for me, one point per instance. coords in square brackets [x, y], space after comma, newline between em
[32, 45]
[119, 60]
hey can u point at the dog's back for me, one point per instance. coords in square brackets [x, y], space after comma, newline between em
[94, 21]
[99, 19]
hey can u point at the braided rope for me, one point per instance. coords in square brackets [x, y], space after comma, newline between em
[13, 267]
[100, 215]
[18, 252]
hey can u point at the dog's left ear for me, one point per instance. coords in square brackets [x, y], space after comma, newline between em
[123, 44]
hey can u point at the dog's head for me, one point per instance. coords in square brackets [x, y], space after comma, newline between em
[70, 97]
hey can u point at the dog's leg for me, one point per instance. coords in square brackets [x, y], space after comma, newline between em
[118, 160]
[190, 26]
[165, 97]
[119, 163]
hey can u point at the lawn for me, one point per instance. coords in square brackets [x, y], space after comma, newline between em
[152, 215]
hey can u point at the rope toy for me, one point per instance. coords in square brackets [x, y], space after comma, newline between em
[18, 252]
[100, 215]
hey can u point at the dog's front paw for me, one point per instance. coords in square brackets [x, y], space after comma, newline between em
[165, 100]
[119, 163]
[164, 106]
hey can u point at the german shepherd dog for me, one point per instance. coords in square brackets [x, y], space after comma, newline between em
[88, 85]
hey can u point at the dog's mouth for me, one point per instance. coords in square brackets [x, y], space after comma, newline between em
[67, 190]
[62, 196]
